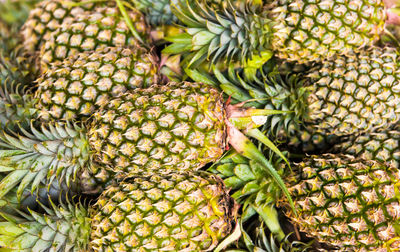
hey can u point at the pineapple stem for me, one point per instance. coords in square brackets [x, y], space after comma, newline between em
[246, 148]
[270, 217]
[257, 134]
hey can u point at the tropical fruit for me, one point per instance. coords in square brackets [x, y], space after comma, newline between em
[178, 126]
[15, 64]
[347, 202]
[176, 212]
[381, 146]
[163, 128]
[81, 84]
[103, 26]
[47, 17]
[292, 30]
[349, 95]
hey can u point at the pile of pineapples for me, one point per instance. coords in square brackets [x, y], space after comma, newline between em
[206, 125]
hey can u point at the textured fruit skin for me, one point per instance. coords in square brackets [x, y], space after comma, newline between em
[356, 94]
[46, 18]
[298, 31]
[347, 202]
[177, 212]
[381, 146]
[81, 84]
[179, 126]
[311, 30]
[103, 26]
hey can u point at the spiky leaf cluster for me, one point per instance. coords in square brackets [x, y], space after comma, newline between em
[158, 12]
[231, 34]
[252, 187]
[41, 155]
[61, 228]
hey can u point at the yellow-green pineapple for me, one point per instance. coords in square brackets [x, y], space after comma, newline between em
[162, 128]
[176, 212]
[347, 202]
[82, 83]
[349, 95]
[296, 30]
[47, 17]
[382, 146]
[103, 26]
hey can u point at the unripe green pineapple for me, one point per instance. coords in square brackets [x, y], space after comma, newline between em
[83, 83]
[296, 30]
[347, 202]
[103, 26]
[176, 212]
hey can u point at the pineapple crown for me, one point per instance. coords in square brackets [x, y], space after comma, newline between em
[235, 33]
[255, 238]
[45, 153]
[157, 12]
[60, 228]
[266, 89]
[16, 104]
[252, 187]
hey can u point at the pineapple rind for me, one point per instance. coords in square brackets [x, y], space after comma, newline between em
[356, 94]
[381, 146]
[347, 202]
[81, 84]
[319, 29]
[101, 27]
[176, 212]
[179, 126]
[47, 17]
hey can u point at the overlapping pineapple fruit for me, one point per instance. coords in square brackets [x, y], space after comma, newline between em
[103, 121]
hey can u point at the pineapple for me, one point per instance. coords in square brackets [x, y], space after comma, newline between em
[101, 27]
[84, 82]
[347, 202]
[178, 126]
[47, 17]
[346, 96]
[292, 30]
[381, 146]
[174, 127]
[176, 212]
[15, 64]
